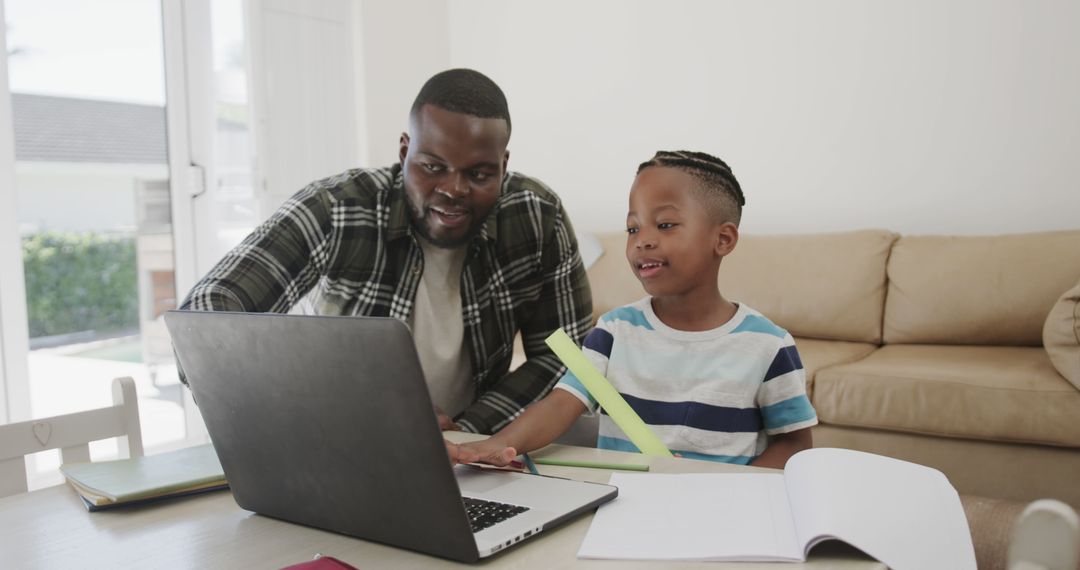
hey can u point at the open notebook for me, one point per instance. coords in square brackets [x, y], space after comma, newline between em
[905, 515]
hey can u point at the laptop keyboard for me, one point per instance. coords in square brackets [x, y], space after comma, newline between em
[483, 514]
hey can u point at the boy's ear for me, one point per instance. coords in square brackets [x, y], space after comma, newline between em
[727, 235]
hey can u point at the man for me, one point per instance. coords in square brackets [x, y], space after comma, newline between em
[448, 240]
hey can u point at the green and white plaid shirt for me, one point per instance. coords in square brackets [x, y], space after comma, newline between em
[347, 240]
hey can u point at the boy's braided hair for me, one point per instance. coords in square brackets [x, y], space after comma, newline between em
[464, 91]
[719, 188]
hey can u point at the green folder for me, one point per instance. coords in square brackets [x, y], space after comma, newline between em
[124, 480]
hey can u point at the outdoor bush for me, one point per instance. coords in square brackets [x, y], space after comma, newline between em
[80, 282]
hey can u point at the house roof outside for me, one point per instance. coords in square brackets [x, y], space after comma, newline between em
[65, 129]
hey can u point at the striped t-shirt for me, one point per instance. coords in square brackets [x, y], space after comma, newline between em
[713, 394]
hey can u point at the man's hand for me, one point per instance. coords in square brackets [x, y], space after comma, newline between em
[486, 451]
[445, 422]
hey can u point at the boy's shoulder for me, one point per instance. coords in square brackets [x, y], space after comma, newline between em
[752, 320]
[748, 320]
[632, 314]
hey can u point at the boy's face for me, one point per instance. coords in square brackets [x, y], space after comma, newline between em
[673, 245]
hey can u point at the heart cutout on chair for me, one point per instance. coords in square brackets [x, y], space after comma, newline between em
[42, 432]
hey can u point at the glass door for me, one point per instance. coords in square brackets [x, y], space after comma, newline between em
[229, 209]
[95, 231]
[222, 203]
[132, 173]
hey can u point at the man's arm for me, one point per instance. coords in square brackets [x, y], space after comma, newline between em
[275, 266]
[538, 426]
[565, 301]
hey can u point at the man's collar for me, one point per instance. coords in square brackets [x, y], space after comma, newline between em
[490, 229]
[398, 225]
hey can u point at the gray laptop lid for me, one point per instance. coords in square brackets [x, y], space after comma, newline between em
[327, 422]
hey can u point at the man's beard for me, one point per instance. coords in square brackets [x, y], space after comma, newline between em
[422, 226]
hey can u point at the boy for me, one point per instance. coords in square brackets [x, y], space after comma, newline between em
[714, 379]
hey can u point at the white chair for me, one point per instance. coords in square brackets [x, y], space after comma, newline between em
[1046, 537]
[71, 434]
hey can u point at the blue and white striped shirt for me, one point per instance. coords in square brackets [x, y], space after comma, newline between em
[713, 394]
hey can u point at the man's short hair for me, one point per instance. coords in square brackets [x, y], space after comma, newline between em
[718, 190]
[464, 91]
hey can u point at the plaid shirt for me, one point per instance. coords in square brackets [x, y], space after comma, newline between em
[346, 245]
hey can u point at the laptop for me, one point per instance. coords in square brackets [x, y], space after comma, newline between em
[327, 422]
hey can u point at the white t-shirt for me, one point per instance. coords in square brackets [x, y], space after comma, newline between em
[439, 331]
[715, 394]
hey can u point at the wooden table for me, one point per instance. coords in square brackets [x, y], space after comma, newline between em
[50, 528]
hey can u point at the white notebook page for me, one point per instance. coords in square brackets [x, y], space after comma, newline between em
[694, 516]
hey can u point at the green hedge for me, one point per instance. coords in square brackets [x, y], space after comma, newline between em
[80, 282]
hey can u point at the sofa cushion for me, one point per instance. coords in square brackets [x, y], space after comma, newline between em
[993, 290]
[998, 393]
[827, 286]
[1061, 335]
[817, 354]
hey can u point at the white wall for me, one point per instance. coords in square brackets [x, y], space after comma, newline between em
[404, 42]
[918, 116]
[305, 98]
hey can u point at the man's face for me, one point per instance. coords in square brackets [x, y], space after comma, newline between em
[453, 166]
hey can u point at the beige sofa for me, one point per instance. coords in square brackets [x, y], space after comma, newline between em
[924, 348]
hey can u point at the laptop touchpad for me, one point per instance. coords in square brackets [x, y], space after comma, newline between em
[479, 480]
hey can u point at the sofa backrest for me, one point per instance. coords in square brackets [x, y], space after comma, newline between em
[612, 283]
[828, 286]
[977, 289]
